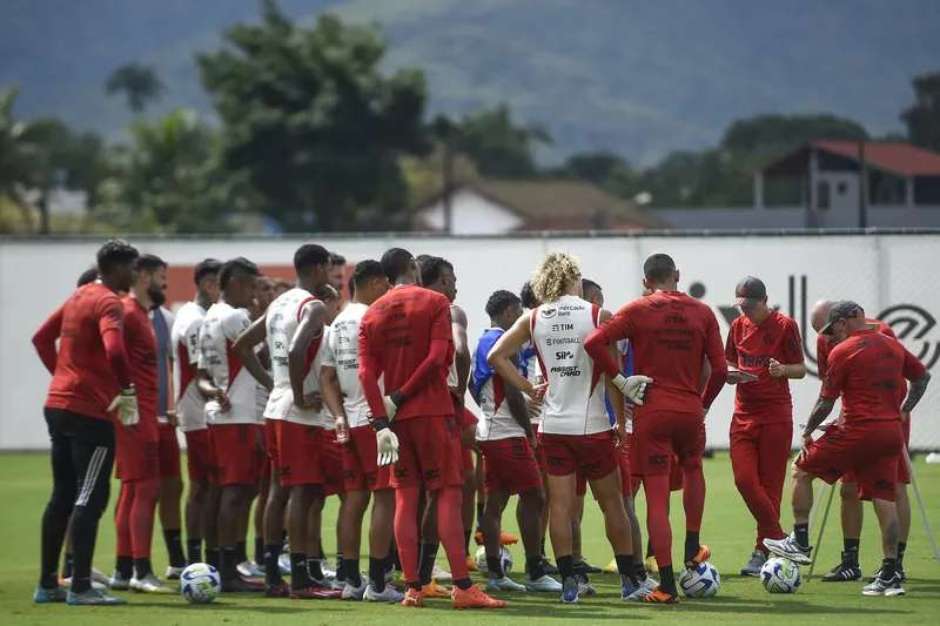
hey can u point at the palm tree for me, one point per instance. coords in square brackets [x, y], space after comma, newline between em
[139, 84]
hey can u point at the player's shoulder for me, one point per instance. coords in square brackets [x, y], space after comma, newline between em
[782, 319]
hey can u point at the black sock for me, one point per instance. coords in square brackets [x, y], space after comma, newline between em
[124, 566]
[626, 566]
[426, 558]
[340, 568]
[692, 545]
[214, 557]
[396, 560]
[67, 565]
[850, 551]
[228, 562]
[902, 546]
[351, 572]
[542, 547]
[194, 550]
[143, 567]
[480, 505]
[494, 566]
[174, 547]
[299, 576]
[463, 583]
[377, 569]
[639, 571]
[272, 571]
[667, 580]
[534, 567]
[315, 569]
[802, 534]
[888, 568]
[565, 566]
[259, 550]
[241, 551]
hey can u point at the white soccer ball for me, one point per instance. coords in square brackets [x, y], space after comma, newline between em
[200, 583]
[702, 581]
[505, 558]
[780, 576]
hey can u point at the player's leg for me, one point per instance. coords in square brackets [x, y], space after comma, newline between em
[746, 465]
[171, 493]
[124, 546]
[351, 514]
[299, 505]
[689, 446]
[381, 528]
[888, 582]
[264, 493]
[274, 518]
[197, 470]
[494, 505]
[143, 514]
[903, 504]
[58, 511]
[232, 498]
[469, 498]
[851, 515]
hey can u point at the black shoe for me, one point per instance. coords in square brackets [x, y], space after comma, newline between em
[240, 585]
[583, 567]
[549, 568]
[900, 572]
[846, 571]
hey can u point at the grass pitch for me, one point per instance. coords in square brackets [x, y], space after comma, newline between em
[728, 529]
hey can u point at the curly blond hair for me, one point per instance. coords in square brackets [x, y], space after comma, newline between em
[555, 276]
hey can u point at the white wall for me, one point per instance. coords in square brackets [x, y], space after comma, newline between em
[878, 271]
[472, 215]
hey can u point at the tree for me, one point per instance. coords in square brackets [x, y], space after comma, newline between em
[313, 123]
[594, 167]
[773, 135]
[139, 84]
[923, 117]
[499, 147]
[15, 167]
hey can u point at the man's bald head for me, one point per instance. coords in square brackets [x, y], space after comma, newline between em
[820, 314]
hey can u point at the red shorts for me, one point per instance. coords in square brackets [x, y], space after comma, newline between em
[429, 453]
[198, 453]
[540, 454]
[591, 456]
[270, 440]
[236, 453]
[660, 437]
[870, 451]
[360, 462]
[169, 452]
[467, 457]
[309, 455]
[137, 451]
[509, 465]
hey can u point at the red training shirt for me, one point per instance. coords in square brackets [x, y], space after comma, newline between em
[141, 345]
[406, 337]
[671, 333]
[824, 345]
[750, 347]
[868, 370]
[90, 367]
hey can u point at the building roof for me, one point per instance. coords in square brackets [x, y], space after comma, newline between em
[897, 157]
[559, 204]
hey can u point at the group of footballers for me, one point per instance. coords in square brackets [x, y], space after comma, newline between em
[288, 394]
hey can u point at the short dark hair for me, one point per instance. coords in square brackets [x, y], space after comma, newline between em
[366, 271]
[527, 295]
[206, 267]
[115, 252]
[88, 276]
[501, 300]
[432, 267]
[310, 255]
[149, 263]
[587, 283]
[236, 267]
[659, 267]
[326, 292]
[337, 259]
[395, 262]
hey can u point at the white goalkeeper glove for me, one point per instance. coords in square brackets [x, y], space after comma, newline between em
[632, 388]
[125, 403]
[390, 407]
[387, 446]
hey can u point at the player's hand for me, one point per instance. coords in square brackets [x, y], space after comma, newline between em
[223, 401]
[342, 430]
[535, 393]
[533, 440]
[737, 377]
[125, 403]
[620, 432]
[391, 408]
[776, 368]
[313, 401]
[386, 443]
[633, 388]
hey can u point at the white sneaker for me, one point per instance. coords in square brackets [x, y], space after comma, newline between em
[149, 584]
[543, 584]
[503, 584]
[173, 573]
[441, 575]
[118, 582]
[95, 584]
[354, 593]
[639, 593]
[882, 587]
[389, 594]
[790, 549]
[97, 576]
[328, 573]
[585, 589]
[250, 569]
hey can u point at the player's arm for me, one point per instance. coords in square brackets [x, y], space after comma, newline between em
[435, 360]
[245, 348]
[601, 346]
[820, 412]
[793, 365]
[830, 392]
[614, 394]
[715, 353]
[370, 370]
[111, 330]
[333, 398]
[308, 330]
[735, 376]
[462, 358]
[919, 377]
[518, 407]
[45, 338]
[505, 349]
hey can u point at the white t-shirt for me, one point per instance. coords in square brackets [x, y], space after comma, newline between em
[190, 405]
[221, 327]
[342, 354]
[574, 402]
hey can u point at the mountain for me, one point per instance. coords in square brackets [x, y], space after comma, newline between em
[637, 78]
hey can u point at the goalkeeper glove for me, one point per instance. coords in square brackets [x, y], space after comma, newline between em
[387, 446]
[632, 388]
[126, 405]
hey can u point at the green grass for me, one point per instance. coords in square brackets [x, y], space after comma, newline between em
[728, 529]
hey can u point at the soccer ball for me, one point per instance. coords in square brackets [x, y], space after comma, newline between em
[780, 576]
[200, 583]
[701, 581]
[505, 558]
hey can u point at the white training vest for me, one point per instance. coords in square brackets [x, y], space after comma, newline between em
[190, 405]
[574, 401]
[220, 328]
[343, 355]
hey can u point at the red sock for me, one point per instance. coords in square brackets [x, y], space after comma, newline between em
[450, 529]
[693, 497]
[122, 520]
[406, 531]
[657, 517]
[143, 511]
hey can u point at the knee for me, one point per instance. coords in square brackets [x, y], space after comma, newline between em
[849, 492]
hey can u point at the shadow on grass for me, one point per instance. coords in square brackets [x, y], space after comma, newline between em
[248, 606]
[731, 604]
